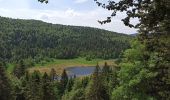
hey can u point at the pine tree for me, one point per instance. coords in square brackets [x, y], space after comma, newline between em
[5, 87]
[106, 68]
[64, 80]
[96, 89]
[154, 28]
[70, 84]
[47, 88]
[26, 85]
[19, 69]
[35, 86]
[53, 74]
[106, 71]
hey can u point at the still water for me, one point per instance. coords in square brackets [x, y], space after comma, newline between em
[80, 71]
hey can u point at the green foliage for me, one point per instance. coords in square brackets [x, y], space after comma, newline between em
[19, 69]
[132, 73]
[136, 75]
[78, 90]
[96, 89]
[88, 58]
[106, 69]
[144, 72]
[63, 81]
[48, 92]
[69, 85]
[5, 85]
[36, 41]
[35, 86]
[110, 78]
[53, 75]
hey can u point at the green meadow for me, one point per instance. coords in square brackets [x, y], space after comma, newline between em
[60, 64]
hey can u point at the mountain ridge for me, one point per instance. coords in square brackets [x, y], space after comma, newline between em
[23, 39]
[61, 24]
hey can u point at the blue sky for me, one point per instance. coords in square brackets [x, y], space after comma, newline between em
[67, 12]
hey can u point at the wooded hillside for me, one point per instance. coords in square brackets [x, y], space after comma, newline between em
[32, 39]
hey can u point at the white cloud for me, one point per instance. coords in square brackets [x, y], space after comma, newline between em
[70, 17]
[71, 13]
[80, 1]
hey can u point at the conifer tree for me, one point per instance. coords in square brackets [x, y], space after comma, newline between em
[96, 89]
[70, 84]
[35, 86]
[64, 80]
[106, 68]
[26, 85]
[154, 28]
[106, 71]
[19, 69]
[47, 88]
[53, 74]
[5, 87]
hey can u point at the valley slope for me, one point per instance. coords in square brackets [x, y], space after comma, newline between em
[34, 40]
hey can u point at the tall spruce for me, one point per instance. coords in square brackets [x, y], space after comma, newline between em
[64, 80]
[53, 75]
[47, 88]
[154, 28]
[35, 86]
[70, 84]
[96, 89]
[5, 87]
[19, 69]
[106, 71]
[106, 68]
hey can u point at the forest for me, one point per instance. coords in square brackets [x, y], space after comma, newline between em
[36, 40]
[141, 70]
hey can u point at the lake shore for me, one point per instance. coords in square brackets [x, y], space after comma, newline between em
[60, 64]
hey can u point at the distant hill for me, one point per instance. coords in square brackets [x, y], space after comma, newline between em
[36, 40]
[134, 34]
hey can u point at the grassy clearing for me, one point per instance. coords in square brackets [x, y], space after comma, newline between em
[10, 67]
[60, 64]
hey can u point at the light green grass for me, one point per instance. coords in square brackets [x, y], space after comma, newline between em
[70, 62]
[60, 64]
[10, 67]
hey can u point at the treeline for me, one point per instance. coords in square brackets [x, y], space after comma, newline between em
[35, 40]
[143, 72]
[39, 86]
[135, 78]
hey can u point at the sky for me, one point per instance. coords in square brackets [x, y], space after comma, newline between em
[67, 12]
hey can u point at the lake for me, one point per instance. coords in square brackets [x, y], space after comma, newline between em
[80, 71]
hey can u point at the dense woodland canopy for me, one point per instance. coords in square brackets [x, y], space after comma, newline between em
[145, 69]
[31, 39]
[143, 73]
